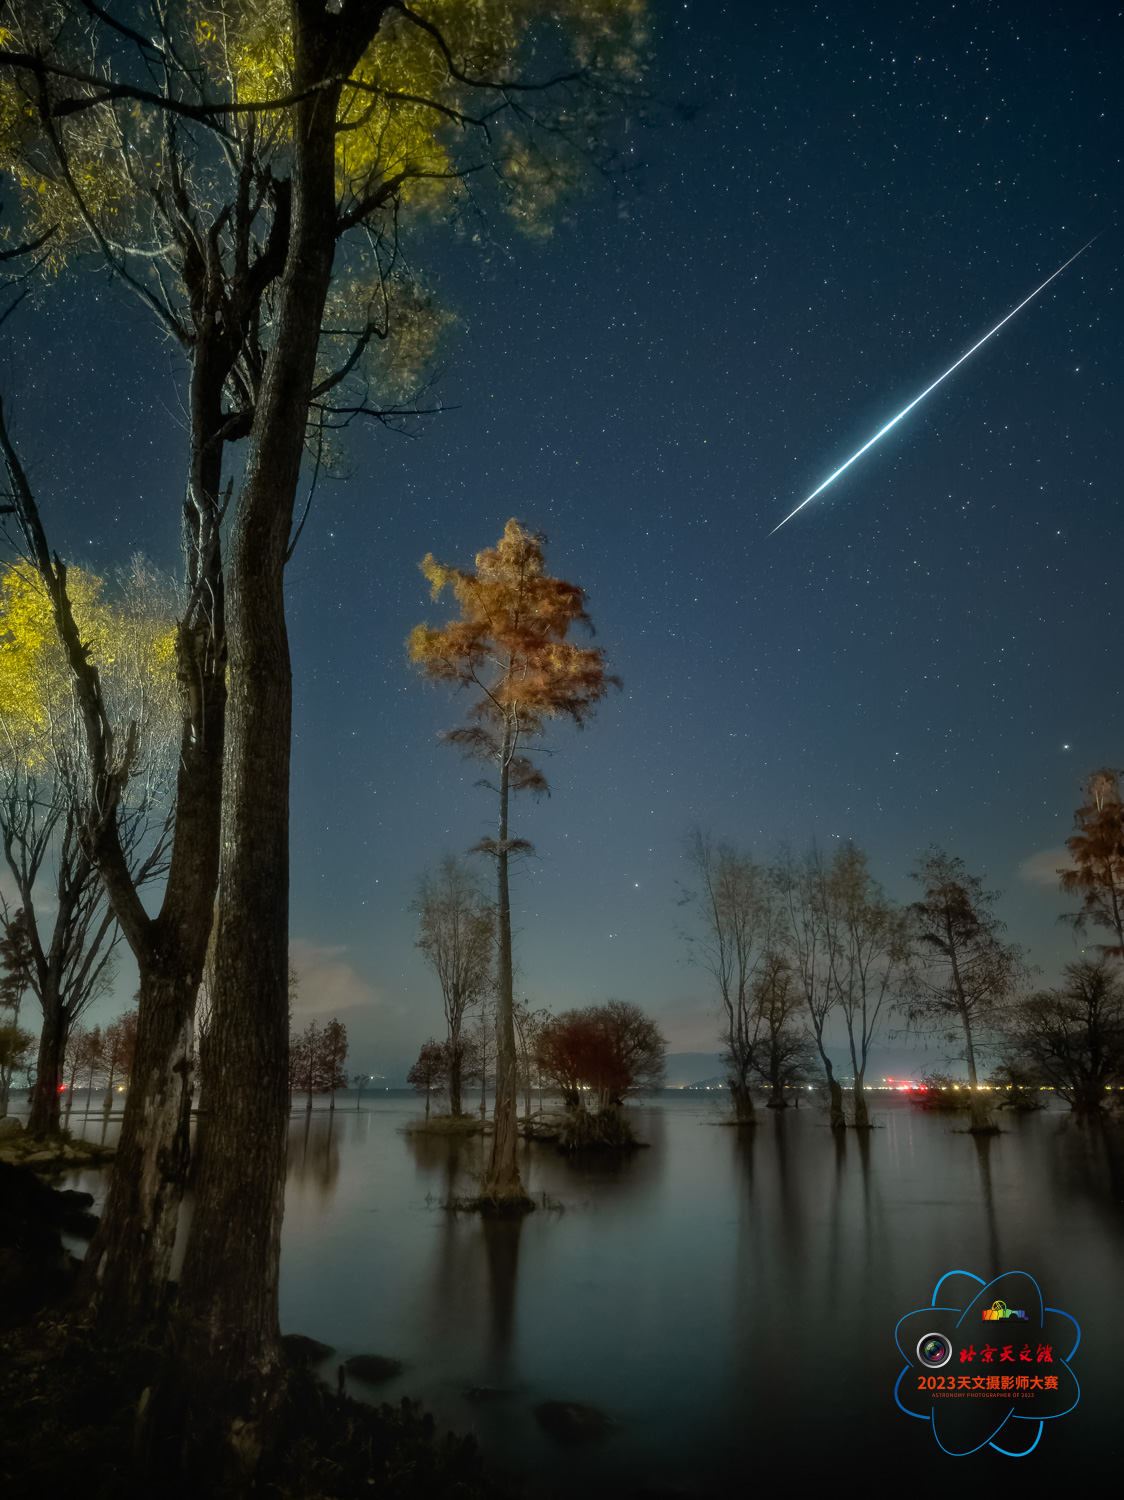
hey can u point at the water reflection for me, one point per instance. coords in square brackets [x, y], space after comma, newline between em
[983, 1146]
[314, 1152]
[727, 1296]
[501, 1248]
[626, 1176]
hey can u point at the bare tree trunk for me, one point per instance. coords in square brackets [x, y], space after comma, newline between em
[862, 1117]
[744, 1111]
[503, 1186]
[837, 1119]
[456, 1051]
[46, 1113]
[130, 1257]
[230, 1333]
[981, 1121]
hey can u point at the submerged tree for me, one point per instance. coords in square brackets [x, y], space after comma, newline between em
[963, 971]
[431, 1071]
[781, 1052]
[609, 1051]
[736, 918]
[604, 1054]
[1073, 1036]
[1097, 875]
[810, 938]
[511, 644]
[869, 944]
[457, 936]
[317, 1060]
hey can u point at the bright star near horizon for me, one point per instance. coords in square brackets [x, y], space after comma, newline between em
[893, 422]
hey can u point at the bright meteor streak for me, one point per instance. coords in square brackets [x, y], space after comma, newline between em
[907, 409]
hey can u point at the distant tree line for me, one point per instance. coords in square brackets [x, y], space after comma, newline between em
[803, 951]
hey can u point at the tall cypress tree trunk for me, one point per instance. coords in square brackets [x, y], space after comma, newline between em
[503, 1185]
[980, 1111]
[228, 1300]
[456, 1051]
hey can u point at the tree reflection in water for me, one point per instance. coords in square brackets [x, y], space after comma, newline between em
[314, 1152]
[727, 1297]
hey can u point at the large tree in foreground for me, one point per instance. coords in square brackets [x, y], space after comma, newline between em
[963, 972]
[294, 133]
[511, 645]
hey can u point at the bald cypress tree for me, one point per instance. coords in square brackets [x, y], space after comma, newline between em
[511, 645]
[1097, 848]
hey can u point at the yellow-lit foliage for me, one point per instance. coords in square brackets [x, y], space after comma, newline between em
[397, 114]
[511, 642]
[131, 641]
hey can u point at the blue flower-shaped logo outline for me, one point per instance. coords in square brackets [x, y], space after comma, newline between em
[943, 1318]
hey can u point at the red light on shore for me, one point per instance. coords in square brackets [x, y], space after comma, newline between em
[62, 1088]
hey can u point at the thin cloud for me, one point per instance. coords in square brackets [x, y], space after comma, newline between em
[1042, 868]
[326, 985]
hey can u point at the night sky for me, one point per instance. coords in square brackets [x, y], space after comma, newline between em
[929, 653]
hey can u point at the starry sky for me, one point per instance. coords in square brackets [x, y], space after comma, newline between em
[929, 653]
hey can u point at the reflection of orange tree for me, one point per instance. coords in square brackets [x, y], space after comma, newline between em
[317, 1060]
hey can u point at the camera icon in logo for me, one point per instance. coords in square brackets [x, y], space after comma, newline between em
[933, 1350]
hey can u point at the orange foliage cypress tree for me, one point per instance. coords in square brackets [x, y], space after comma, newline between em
[510, 643]
[1097, 848]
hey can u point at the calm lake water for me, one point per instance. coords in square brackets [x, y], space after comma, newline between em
[727, 1298]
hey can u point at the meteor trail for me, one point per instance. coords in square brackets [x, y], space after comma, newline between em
[907, 409]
